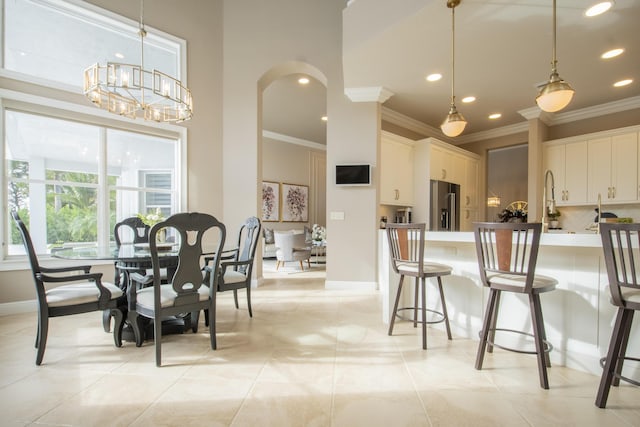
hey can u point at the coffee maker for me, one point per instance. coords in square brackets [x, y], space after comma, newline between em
[403, 216]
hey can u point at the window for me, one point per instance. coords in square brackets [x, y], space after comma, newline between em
[61, 173]
[71, 172]
[57, 40]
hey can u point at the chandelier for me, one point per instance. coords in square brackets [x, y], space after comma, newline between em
[131, 91]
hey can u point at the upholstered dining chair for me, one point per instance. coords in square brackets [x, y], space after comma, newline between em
[507, 254]
[292, 246]
[236, 272]
[621, 246]
[187, 293]
[406, 250]
[81, 292]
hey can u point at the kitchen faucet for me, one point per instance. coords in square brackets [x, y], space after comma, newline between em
[552, 202]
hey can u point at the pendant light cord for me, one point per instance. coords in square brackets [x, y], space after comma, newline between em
[142, 33]
[453, 54]
[554, 61]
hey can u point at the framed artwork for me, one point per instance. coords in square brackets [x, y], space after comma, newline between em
[270, 201]
[295, 203]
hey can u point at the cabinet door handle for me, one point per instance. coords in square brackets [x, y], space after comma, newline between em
[566, 195]
[444, 173]
[467, 215]
[468, 199]
[613, 191]
[397, 194]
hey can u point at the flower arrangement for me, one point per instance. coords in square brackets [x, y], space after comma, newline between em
[318, 233]
[553, 216]
[516, 215]
[152, 219]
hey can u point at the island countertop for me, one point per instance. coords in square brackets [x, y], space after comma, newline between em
[582, 240]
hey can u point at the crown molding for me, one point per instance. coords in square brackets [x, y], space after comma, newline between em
[550, 119]
[293, 140]
[368, 94]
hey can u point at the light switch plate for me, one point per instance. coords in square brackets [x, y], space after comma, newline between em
[338, 216]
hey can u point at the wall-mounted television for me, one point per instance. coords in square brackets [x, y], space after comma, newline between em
[353, 174]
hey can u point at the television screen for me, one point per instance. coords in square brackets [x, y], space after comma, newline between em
[353, 174]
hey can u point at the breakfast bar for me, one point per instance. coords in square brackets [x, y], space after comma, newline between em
[578, 315]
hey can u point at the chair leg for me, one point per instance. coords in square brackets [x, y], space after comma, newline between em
[416, 288]
[135, 321]
[392, 320]
[423, 310]
[309, 263]
[623, 349]
[615, 345]
[301, 266]
[195, 319]
[543, 335]
[118, 324]
[43, 329]
[106, 320]
[212, 322]
[249, 300]
[157, 337]
[206, 318]
[444, 308]
[277, 265]
[235, 298]
[538, 333]
[486, 324]
[494, 323]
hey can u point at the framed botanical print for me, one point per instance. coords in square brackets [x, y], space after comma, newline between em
[295, 203]
[270, 201]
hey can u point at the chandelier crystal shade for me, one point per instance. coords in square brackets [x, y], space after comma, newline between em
[454, 123]
[131, 91]
[556, 94]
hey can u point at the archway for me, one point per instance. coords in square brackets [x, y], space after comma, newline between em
[292, 140]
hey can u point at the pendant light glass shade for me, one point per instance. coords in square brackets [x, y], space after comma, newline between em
[454, 123]
[556, 94]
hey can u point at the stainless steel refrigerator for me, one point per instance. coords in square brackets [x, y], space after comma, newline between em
[445, 206]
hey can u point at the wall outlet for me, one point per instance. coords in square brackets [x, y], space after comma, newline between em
[338, 216]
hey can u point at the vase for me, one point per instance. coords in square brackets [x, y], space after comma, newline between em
[161, 236]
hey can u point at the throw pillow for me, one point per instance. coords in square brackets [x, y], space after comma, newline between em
[268, 236]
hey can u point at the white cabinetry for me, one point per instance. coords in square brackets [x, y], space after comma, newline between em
[568, 162]
[613, 168]
[396, 171]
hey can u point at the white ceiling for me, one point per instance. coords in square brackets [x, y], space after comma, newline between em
[503, 50]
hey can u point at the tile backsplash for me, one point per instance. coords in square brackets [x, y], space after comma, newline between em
[578, 219]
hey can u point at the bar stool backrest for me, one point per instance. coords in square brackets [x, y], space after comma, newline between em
[406, 247]
[621, 246]
[507, 248]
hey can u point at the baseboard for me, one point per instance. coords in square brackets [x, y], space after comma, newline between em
[350, 285]
[18, 307]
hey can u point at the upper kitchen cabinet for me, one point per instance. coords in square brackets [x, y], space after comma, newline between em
[446, 165]
[613, 168]
[469, 189]
[568, 163]
[396, 171]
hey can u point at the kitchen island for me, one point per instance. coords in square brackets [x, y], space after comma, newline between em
[578, 315]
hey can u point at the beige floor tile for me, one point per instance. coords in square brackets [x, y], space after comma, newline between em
[307, 357]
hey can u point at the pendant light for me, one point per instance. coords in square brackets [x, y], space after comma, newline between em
[131, 91]
[556, 94]
[454, 123]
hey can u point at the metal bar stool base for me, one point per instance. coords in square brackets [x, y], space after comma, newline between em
[428, 322]
[619, 376]
[547, 345]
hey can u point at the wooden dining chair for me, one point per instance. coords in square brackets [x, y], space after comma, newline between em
[82, 292]
[187, 293]
[621, 247]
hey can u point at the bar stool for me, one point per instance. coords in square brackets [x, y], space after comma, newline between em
[406, 246]
[507, 255]
[621, 245]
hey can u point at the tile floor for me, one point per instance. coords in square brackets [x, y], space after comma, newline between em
[308, 357]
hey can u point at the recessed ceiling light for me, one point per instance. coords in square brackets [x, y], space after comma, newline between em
[119, 55]
[468, 99]
[434, 77]
[599, 8]
[325, 118]
[612, 53]
[303, 80]
[495, 116]
[624, 82]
